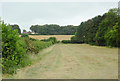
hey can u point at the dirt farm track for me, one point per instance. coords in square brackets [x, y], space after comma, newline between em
[73, 61]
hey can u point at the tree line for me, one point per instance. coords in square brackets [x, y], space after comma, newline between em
[101, 30]
[16, 50]
[53, 29]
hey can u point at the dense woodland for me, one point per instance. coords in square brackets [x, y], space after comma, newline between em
[53, 29]
[101, 30]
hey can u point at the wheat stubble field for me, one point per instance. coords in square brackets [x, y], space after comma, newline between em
[73, 61]
[58, 37]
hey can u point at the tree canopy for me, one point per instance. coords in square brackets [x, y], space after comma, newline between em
[101, 30]
[53, 29]
[15, 26]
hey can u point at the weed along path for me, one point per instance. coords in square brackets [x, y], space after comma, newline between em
[73, 61]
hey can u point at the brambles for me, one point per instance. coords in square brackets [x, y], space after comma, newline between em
[15, 49]
[24, 35]
[12, 52]
[66, 41]
[41, 45]
[52, 39]
[33, 39]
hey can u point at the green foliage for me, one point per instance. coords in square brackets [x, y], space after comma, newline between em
[106, 25]
[53, 29]
[15, 49]
[38, 45]
[16, 27]
[33, 39]
[100, 30]
[81, 32]
[87, 30]
[24, 35]
[30, 46]
[12, 52]
[112, 37]
[34, 45]
[74, 39]
[52, 39]
[24, 31]
[0, 43]
[66, 41]
[58, 41]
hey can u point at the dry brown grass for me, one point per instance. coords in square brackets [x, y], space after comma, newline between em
[58, 37]
[73, 61]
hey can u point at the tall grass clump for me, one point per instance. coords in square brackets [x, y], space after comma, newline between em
[52, 39]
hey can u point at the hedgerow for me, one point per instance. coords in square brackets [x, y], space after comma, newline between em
[16, 50]
[12, 51]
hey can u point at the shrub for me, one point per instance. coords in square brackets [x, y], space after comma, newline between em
[34, 45]
[12, 51]
[91, 43]
[58, 42]
[24, 35]
[73, 39]
[52, 39]
[45, 40]
[33, 39]
[66, 41]
[38, 45]
[30, 45]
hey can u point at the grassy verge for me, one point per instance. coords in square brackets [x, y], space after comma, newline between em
[31, 59]
[16, 51]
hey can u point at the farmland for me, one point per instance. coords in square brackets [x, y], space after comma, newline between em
[62, 45]
[58, 37]
[82, 62]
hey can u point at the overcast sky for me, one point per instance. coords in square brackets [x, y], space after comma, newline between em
[26, 14]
